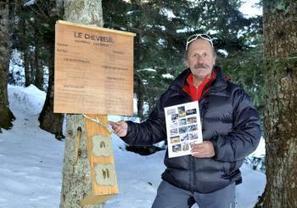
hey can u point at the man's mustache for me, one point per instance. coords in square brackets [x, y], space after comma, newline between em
[197, 66]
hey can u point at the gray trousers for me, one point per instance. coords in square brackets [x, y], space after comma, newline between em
[169, 196]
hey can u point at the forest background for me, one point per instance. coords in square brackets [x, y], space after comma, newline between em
[258, 53]
[162, 28]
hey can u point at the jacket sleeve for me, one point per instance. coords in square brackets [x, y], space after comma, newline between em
[245, 135]
[151, 131]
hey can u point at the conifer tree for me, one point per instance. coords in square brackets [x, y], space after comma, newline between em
[6, 116]
[280, 49]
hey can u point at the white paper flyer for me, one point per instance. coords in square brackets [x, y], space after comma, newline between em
[183, 128]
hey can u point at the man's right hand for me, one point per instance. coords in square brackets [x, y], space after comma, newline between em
[120, 128]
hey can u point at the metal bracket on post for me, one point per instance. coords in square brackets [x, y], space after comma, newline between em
[77, 143]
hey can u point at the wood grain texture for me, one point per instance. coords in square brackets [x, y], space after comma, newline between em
[93, 70]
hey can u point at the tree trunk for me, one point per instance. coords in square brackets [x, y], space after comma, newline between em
[38, 67]
[139, 87]
[6, 116]
[280, 47]
[50, 121]
[26, 53]
[27, 69]
[139, 90]
[76, 175]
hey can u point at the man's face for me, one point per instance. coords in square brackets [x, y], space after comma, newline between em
[200, 59]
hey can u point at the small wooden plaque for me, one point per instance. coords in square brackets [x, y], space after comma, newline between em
[102, 165]
[93, 70]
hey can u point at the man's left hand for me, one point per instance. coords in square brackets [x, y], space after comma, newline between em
[203, 150]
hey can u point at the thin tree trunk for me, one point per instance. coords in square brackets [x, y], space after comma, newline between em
[139, 90]
[28, 78]
[139, 87]
[21, 30]
[25, 49]
[38, 68]
[280, 46]
[31, 65]
[76, 172]
[6, 116]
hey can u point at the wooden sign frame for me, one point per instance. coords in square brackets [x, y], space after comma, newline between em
[93, 70]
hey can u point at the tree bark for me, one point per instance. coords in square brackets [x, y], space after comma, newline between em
[50, 121]
[76, 181]
[6, 116]
[27, 69]
[139, 90]
[76, 175]
[280, 119]
[38, 67]
[23, 42]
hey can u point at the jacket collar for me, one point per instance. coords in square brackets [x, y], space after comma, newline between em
[180, 80]
[220, 83]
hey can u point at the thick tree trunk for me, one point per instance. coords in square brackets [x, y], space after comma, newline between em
[76, 175]
[76, 181]
[6, 116]
[280, 46]
[50, 121]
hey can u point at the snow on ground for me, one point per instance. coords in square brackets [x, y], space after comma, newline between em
[31, 159]
[31, 164]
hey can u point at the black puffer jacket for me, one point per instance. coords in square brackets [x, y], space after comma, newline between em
[229, 121]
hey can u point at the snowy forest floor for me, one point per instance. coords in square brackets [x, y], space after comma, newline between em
[32, 161]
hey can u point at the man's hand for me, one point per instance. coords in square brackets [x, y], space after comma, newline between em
[120, 128]
[203, 150]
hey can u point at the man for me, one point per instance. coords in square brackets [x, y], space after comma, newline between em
[230, 128]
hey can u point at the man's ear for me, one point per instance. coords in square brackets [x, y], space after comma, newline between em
[186, 63]
[214, 60]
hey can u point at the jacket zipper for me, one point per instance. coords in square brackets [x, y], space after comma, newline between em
[191, 159]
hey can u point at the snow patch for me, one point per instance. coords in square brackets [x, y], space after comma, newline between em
[168, 76]
[29, 3]
[29, 100]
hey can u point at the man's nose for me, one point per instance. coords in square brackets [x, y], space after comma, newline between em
[200, 59]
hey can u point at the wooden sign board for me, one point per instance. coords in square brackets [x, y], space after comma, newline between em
[93, 70]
